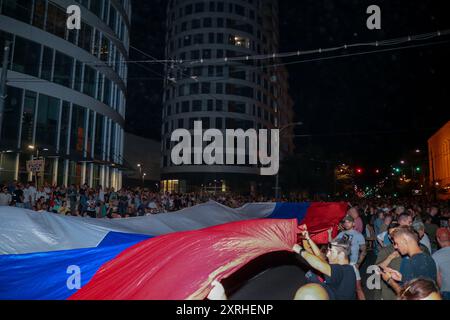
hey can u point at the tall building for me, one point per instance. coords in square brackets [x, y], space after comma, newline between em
[204, 85]
[66, 90]
[439, 161]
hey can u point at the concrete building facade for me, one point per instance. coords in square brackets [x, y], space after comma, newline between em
[66, 90]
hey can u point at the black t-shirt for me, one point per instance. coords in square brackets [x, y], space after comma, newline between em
[341, 285]
[17, 196]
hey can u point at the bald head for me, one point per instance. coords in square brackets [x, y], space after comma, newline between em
[312, 291]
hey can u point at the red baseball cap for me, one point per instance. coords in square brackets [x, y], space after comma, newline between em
[443, 234]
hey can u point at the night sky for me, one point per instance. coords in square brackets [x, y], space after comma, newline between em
[369, 110]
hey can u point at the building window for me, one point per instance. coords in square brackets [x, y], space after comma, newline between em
[39, 13]
[206, 88]
[56, 20]
[219, 88]
[207, 23]
[196, 24]
[99, 129]
[85, 37]
[11, 118]
[236, 107]
[199, 7]
[26, 56]
[210, 105]
[64, 134]
[198, 39]
[185, 107]
[47, 121]
[219, 123]
[63, 69]
[78, 76]
[47, 64]
[29, 109]
[197, 106]
[89, 81]
[18, 9]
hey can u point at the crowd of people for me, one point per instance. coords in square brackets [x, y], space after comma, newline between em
[408, 239]
[102, 202]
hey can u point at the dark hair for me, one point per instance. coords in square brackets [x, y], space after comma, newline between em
[418, 289]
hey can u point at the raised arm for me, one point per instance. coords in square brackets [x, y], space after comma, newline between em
[315, 262]
[310, 246]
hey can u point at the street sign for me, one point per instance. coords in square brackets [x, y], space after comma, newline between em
[35, 166]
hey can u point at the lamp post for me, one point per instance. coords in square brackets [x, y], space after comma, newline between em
[277, 177]
[140, 171]
[143, 179]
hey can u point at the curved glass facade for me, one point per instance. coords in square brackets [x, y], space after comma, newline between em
[223, 94]
[66, 90]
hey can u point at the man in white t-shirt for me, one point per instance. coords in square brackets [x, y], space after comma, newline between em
[358, 243]
[27, 197]
[442, 259]
[32, 193]
[5, 197]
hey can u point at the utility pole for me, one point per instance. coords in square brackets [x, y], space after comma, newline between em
[3, 76]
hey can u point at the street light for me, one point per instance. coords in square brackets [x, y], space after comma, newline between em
[277, 178]
[140, 172]
[143, 179]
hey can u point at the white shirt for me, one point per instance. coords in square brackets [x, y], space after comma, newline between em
[48, 190]
[101, 196]
[442, 259]
[5, 199]
[426, 242]
[26, 195]
[32, 192]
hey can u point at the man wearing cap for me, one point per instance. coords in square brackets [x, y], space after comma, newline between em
[442, 259]
[357, 221]
[356, 240]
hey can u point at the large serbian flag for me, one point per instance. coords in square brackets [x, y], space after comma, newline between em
[167, 256]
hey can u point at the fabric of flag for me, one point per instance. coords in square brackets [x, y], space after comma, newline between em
[41, 253]
[183, 265]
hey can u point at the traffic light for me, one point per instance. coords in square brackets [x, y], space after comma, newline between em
[397, 170]
[418, 169]
[359, 170]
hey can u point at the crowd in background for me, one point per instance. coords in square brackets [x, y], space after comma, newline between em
[409, 245]
[102, 202]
